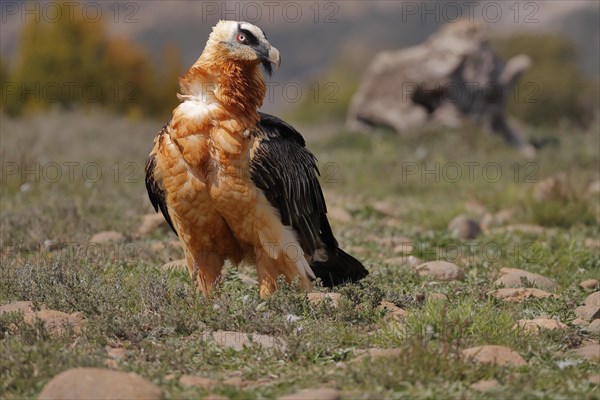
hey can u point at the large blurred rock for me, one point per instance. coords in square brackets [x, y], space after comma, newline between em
[454, 74]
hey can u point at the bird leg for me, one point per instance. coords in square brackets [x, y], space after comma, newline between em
[204, 268]
[269, 269]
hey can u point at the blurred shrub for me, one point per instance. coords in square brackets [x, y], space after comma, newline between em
[554, 89]
[72, 62]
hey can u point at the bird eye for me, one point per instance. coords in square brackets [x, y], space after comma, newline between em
[241, 38]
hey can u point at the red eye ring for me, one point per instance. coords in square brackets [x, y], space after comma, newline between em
[240, 38]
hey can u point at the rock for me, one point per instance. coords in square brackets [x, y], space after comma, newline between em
[590, 352]
[441, 270]
[438, 297]
[539, 324]
[197, 381]
[588, 313]
[512, 277]
[235, 381]
[393, 311]
[151, 223]
[237, 340]
[403, 89]
[594, 379]
[57, 323]
[580, 322]
[26, 307]
[314, 394]
[594, 326]
[107, 237]
[495, 355]
[95, 383]
[464, 228]
[339, 214]
[518, 295]
[376, 352]
[316, 298]
[175, 265]
[593, 244]
[593, 299]
[52, 245]
[485, 385]
[590, 284]
[594, 188]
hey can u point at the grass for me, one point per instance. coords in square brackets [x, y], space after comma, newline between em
[160, 319]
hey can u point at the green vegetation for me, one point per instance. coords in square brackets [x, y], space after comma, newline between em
[71, 62]
[160, 319]
[554, 89]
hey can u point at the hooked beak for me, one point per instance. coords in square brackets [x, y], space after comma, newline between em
[274, 57]
[269, 58]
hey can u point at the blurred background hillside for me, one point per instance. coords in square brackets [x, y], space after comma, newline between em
[125, 56]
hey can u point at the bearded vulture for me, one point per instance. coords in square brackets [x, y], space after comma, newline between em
[237, 184]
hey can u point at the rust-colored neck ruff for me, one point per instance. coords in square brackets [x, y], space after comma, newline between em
[230, 89]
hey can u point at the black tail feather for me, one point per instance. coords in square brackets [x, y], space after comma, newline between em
[339, 268]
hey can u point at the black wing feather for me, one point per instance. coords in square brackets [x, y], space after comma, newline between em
[155, 192]
[288, 175]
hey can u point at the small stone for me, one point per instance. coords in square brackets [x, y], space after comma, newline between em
[580, 322]
[485, 385]
[588, 313]
[594, 326]
[536, 325]
[175, 265]
[215, 397]
[593, 299]
[235, 381]
[513, 277]
[518, 295]
[52, 245]
[339, 214]
[376, 352]
[593, 244]
[107, 237]
[316, 298]
[57, 323]
[25, 307]
[237, 340]
[438, 297]
[495, 355]
[464, 228]
[441, 270]
[393, 311]
[594, 188]
[590, 284]
[314, 394]
[151, 223]
[96, 383]
[197, 381]
[590, 352]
